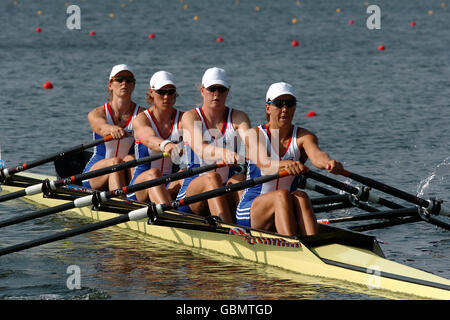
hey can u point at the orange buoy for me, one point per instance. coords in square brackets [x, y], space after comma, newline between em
[219, 39]
[92, 33]
[381, 47]
[47, 85]
[151, 36]
[311, 114]
[294, 43]
[38, 29]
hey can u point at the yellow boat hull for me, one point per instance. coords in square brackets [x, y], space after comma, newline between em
[375, 274]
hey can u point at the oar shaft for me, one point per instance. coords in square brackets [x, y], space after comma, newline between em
[114, 168]
[222, 190]
[37, 214]
[312, 186]
[38, 188]
[65, 234]
[106, 195]
[350, 189]
[387, 189]
[384, 224]
[405, 212]
[13, 195]
[330, 199]
[136, 214]
[7, 172]
[163, 180]
[433, 207]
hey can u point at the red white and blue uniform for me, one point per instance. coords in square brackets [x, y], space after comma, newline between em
[227, 136]
[114, 148]
[286, 183]
[165, 165]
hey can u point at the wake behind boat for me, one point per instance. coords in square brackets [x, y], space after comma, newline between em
[334, 253]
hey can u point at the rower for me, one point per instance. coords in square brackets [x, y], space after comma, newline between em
[157, 130]
[212, 133]
[114, 118]
[278, 144]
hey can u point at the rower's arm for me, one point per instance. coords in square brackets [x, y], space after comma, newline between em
[241, 123]
[319, 158]
[193, 135]
[144, 133]
[99, 124]
[257, 152]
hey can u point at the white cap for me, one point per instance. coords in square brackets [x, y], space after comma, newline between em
[120, 67]
[214, 76]
[278, 89]
[160, 79]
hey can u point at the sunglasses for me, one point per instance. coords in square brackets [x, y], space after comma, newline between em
[221, 89]
[279, 103]
[163, 92]
[126, 79]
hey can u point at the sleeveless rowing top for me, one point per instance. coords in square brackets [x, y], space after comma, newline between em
[165, 165]
[114, 148]
[227, 137]
[287, 183]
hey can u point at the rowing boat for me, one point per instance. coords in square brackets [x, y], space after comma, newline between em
[334, 253]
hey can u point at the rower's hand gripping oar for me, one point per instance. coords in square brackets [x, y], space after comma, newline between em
[48, 186]
[146, 212]
[5, 173]
[97, 198]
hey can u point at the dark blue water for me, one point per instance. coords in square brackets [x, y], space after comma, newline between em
[384, 114]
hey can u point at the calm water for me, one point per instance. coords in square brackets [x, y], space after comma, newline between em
[384, 114]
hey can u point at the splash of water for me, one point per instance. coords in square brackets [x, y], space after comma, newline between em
[435, 179]
[2, 163]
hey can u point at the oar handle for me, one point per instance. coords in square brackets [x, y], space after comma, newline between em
[7, 172]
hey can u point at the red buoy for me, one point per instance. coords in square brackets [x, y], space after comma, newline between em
[351, 21]
[294, 43]
[219, 39]
[38, 29]
[151, 36]
[311, 114]
[92, 33]
[413, 23]
[381, 47]
[47, 85]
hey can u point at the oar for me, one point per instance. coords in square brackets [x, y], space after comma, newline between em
[389, 214]
[305, 184]
[433, 206]
[98, 197]
[363, 194]
[384, 224]
[7, 172]
[360, 193]
[151, 212]
[48, 186]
